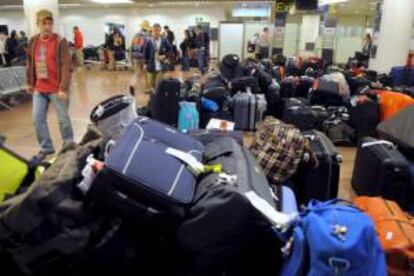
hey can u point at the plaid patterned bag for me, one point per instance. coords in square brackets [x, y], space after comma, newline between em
[279, 148]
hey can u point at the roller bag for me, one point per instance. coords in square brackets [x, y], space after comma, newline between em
[364, 116]
[304, 117]
[327, 94]
[165, 102]
[288, 88]
[223, 232]
[305, 84]
[243, 84]
[395, 230]
[402, 76]
[248, 111]
[339, 132]
[206, 136]
[381, 170]
[400, 130]
[322, 182]
[132, 170]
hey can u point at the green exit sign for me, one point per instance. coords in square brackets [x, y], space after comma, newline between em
[283, 5]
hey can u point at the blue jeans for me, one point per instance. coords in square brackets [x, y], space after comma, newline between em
[185, 63]
[40, 107]
[201, 60]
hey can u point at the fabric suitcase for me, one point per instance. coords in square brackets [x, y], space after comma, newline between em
[245, 84]
[288, 88]
[400, 130]
[339, 132]
[304, 85]
[222, 224]
[205, 117]
[164, 104]
[304, 117]
[395, 230]
[320, 183]
[402, 75]
[134, 163]
[219, 94]
[364, 116]
[206, 136]
[13, 173]
[381, 170]
[249, 110]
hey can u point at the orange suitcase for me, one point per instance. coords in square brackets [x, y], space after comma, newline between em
[395, 230]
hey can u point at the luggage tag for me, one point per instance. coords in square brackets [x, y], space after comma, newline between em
[89, 173]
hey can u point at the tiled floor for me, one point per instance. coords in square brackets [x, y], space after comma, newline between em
[89, 88]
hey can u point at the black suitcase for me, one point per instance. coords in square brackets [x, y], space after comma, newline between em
[164, 103]
[288, 88]
[304, 117]
[364, 117]
[243, 84]
[381, 170]
[206, 136]
[304, 86]
[223, 227]
[319, 183]
[219, 94]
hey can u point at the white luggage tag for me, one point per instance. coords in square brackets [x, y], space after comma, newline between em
[375, 143]
[192, 163]
[279, 219]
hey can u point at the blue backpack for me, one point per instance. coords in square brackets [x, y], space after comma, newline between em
[334, 239]
[188, 117]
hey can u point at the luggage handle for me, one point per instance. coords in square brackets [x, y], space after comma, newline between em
[380, 142]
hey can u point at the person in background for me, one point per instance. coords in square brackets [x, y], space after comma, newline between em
[201, 49]
[263, 43]
[137, 47]
[367, 44]
[155, 51]
[119, 46]
[11, 45]
[185, 48]
[48, 73]
[110, 49]
[78, 40]
[169, 35]
[22, 38]
[3, 39]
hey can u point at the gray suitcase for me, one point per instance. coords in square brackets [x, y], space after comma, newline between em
[249, 110]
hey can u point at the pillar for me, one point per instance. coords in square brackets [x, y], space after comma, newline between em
[393, 39]
[309, 30]
[31, 7]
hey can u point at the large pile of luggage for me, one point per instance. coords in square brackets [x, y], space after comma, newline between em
[151, 191]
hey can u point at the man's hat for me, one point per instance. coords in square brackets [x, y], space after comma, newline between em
[44, 14]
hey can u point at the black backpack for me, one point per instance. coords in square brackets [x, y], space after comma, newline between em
[164, 104]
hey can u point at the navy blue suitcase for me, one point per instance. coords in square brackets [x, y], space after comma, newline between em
[141, 166]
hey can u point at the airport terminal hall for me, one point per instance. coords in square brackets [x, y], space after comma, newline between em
[207, 137]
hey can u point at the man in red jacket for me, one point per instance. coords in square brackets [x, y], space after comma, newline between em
[48, 74]
[78, 39]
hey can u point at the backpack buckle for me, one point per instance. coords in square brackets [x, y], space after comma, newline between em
[339, 265]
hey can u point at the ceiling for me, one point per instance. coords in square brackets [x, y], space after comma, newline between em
[365, 7]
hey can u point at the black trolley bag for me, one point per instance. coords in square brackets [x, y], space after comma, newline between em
[381, 170]
[322, 182]
[146, 174]
[223, 231]
[400, 130]
[242, 84]
[164, 103]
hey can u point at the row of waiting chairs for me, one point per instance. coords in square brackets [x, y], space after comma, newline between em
[12, 82]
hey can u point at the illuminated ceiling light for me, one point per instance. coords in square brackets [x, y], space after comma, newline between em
[112, 1]
[330, 2]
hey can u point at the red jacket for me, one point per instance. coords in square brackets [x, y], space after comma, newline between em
[78, 40]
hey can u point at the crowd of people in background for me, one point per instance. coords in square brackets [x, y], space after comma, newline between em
[13, 48]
